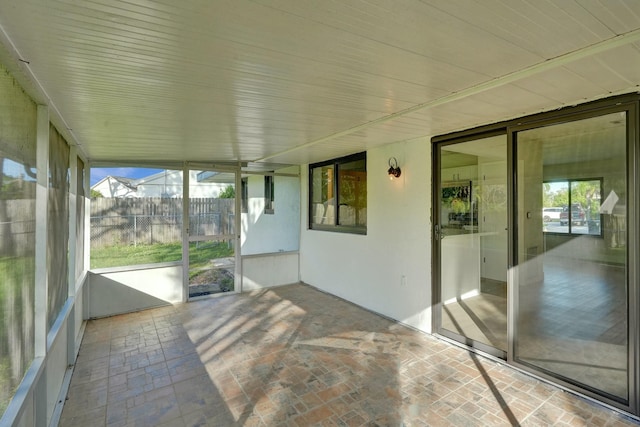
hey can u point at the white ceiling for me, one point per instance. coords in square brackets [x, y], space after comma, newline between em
[293, 81]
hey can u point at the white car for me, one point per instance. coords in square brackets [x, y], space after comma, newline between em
[551, 214]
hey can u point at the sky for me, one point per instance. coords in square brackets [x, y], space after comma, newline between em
[14, 169]
[98, 173]
[557, 186]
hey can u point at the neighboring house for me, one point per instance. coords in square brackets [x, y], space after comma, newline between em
[116, 186]
[167, 184]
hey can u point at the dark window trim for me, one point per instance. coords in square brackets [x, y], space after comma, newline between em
[244, 195]
[334, 227]
[339, 160]
[269, 190]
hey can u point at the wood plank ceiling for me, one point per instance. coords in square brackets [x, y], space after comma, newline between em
[293, 81]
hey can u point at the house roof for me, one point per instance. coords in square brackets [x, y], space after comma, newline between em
[292, 82]
[127, 182]
[157, 176]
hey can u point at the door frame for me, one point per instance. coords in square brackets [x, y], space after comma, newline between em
[187, 238]
[587, 111]
[627, 102]
[437, 144]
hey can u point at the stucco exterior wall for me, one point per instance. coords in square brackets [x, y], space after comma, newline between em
[388, 270]
[277, 232]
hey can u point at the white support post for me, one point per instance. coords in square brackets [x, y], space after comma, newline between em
[238, 229]
[87, 239]
[87, 217]
[73, 200]
[42, 209]
[73, 247]
[185, 232]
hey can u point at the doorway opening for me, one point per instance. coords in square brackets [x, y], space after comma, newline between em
[212, 249]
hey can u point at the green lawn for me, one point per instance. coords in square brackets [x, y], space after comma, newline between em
[118, 256]
[17, 278]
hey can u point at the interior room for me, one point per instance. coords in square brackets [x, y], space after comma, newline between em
[474, 222]
[575, 298]
[570, 287]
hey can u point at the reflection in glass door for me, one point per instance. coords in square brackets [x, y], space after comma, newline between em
[212, 241]
[472, 245]
[571, 293]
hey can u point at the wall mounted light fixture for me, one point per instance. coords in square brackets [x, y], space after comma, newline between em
[394, 170]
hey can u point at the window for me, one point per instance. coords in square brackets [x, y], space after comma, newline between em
[338, 194]
[268, 194]
[244, 195]
[572, 206]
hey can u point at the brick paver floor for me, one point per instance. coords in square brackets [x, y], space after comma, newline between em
[294, 356]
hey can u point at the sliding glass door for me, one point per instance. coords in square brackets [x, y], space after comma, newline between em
[471, 242]
[535, 246]
[572, 295]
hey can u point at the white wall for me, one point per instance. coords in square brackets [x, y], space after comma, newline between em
[267, 270]
[129, 289]
[388, 270]
[277, 232]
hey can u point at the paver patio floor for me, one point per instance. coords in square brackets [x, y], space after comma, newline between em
[294, 356]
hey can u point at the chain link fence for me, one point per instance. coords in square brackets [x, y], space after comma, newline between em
[149, 229]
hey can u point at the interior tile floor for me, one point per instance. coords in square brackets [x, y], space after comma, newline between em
[573, 321]
[482, 318]
[294, 356]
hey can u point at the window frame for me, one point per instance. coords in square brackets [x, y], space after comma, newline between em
[335, 227]
[569, 182]
[244, 195]
[269, 192]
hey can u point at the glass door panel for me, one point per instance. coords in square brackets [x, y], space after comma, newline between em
[472, 242]
[571, 295]
[212, 238]
[211, 267]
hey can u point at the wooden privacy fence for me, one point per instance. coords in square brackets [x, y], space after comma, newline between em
[17, 227]
[145, 221]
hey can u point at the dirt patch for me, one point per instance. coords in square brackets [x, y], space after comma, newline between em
[211, 282]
